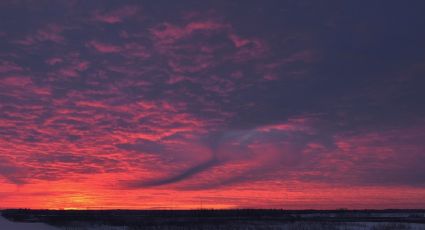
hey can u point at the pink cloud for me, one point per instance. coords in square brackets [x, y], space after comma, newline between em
[236, 75]
[54, 60]
[176, 78]
[104, 47]
[253, 49]
[70, 65]
[82, 65]
[135, 50]
[51, 33]
[204, 25]
[238, 41]
[273, 71]
[270, 77]
[168, 33]
[199, 63]
[129, 50]
[116, 16]
[6, 66]
[16, 81]
[306, 56]
[294, 124]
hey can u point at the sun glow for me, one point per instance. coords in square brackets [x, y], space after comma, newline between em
[74, 202]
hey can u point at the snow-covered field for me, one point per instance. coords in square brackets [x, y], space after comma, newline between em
[6, 224]
[9, 225]
[291, 226]
[353, 226]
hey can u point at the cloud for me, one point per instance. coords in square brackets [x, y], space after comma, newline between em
[104, 47]
[6, 67]
[117, 15]
[143, 146]
[186, 174]
[250, 104]
[12, 172]
[48, 33]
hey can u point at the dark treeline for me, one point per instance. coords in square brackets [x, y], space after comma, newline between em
[208, 216]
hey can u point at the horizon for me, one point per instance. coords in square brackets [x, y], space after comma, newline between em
[212, 104]
[212, 209]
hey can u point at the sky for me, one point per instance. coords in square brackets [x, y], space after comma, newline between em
[212, 104]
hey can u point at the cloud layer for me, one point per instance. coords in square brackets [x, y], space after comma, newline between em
[274, 105]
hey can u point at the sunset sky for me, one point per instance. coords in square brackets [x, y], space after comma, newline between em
[212, 104]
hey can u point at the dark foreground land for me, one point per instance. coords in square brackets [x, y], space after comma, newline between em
[222, 219]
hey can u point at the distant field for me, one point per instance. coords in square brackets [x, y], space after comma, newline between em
[223, 219]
